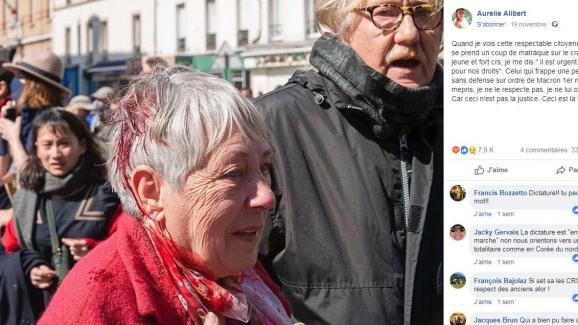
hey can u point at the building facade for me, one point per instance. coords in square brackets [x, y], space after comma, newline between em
[282, 43]
[102, 42]
[253, 43]
[25, 25]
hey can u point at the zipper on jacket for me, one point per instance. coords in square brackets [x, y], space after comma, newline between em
[403, 162]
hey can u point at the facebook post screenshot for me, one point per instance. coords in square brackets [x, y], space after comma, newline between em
[394, 162]
[511, 163]
[274, 162]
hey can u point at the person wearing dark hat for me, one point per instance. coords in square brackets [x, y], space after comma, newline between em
[40, 72]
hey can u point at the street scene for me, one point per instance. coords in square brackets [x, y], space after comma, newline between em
[221, 162]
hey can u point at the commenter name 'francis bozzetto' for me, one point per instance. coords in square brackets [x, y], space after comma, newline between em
[502, 13]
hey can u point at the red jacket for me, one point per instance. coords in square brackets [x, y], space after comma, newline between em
[122, 281]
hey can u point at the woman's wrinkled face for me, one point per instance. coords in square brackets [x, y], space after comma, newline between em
[58, 151]
[220, 212]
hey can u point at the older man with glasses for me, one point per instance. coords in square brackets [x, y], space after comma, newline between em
[356, 235]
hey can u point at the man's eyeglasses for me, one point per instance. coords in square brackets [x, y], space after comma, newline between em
[388, 16]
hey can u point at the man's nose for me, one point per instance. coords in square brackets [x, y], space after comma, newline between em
[407, 33]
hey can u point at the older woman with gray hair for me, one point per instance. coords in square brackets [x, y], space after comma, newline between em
[190, 161]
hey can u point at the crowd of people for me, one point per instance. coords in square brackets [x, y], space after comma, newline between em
[182, 200]
[57, 202]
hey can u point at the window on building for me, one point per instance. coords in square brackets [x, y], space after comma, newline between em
[78, 40]
[4, 17]
[17, 15]
[31, 11]
[211, 15]
[136, 34]
[240, 79]
[310, 27]
[67, 45]
[181, 28]
[274, 20]
[244, 16]
[242, 37]
[44, 12]
[103, 39]
[41, 11]
[89, 42]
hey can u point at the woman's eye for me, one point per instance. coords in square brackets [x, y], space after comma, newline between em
[234, 174]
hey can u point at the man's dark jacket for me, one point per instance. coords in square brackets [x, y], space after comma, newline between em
[342, 243]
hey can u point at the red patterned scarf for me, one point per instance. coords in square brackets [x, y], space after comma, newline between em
[243, 297]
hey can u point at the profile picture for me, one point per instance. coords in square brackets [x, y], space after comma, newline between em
[457, 193]
[458, 319]
[457, 232]
[462, 18]
[457, 280]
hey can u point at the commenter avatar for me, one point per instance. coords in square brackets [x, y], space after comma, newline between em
[462, 18]
[458, 319]
[458, 193]
[457, 232]
[458, 280]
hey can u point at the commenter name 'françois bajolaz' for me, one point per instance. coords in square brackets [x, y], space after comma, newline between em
[501, 13]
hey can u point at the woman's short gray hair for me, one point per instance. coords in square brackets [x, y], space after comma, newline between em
[171, 120]
[335, 16]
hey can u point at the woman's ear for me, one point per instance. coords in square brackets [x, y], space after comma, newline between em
[146, 186]
[83, 146]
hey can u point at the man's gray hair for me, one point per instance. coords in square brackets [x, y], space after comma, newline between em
[335, 16]
[172, 120]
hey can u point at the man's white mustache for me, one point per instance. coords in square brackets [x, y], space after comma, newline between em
[398, 53]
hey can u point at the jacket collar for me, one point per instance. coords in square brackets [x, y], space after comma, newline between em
[393, 108]
[154, 294]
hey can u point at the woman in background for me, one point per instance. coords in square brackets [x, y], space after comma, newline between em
[63, 206]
